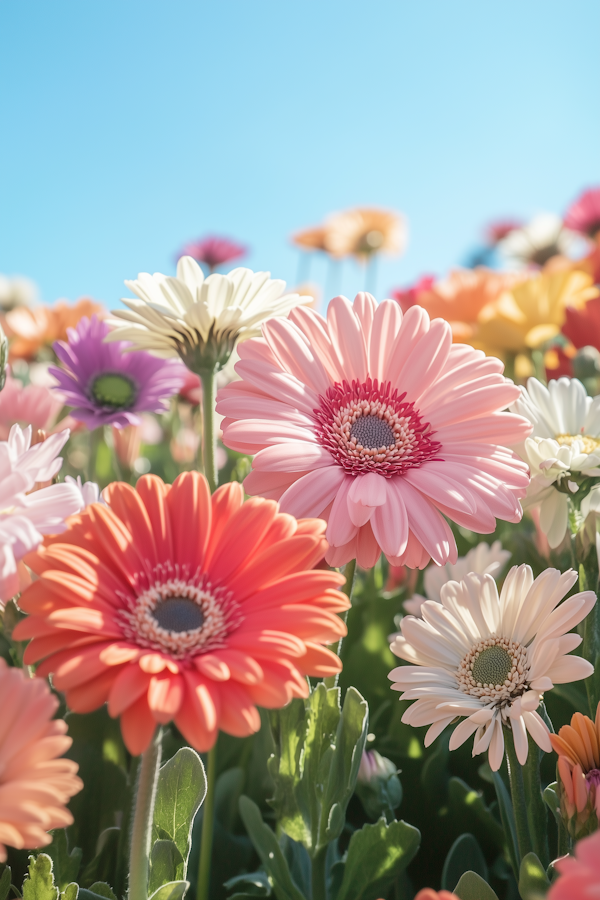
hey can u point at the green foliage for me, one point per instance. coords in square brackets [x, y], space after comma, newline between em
[5, 880]
[376, 856]
[269, 851]
[469, 806]
[473, 887]
[180, 793]
[101, 889]
[166, 864]
[533, 881]
[65, 865]
[39, 885]
[174, 890]
[465, 856]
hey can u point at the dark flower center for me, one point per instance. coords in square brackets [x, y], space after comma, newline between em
[114, 390]
[178, 614]
[373, 432]
[492, 666]
[592, 778]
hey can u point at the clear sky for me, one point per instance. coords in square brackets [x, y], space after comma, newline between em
[132, 126]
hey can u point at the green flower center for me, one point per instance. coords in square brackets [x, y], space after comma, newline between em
[178, 614]
[114, 390]
[492, 666]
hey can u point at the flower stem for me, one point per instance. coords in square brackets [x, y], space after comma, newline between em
[318, 874]
[95, 439]
[203, 886]
[139, 854]
[536, 807]
[209, 438]
[588, 581]
[350, 572]
[519, 799]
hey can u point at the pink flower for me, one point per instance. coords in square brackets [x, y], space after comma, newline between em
[213, 251]
[497, 230]
[409, 296]
[584, 214]
[376, 422]
[579, 875]
[34, 405]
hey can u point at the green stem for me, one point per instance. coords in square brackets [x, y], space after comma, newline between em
[537, 358]
[519, 799]
[509, 365]
[139, 854]
[209, 437]
[318, 875]
[95, 439]
[203, 887]
[537, 810]
[590, 649]
[350, 572]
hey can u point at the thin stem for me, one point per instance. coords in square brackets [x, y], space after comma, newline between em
[318, 875]
[537, 358]
[537, 810]
[203, 887]
[350, 572]
[209, 438]
[95, 439]
[139, 854]
[519, 800]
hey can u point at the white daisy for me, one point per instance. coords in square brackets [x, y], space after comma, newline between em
[196, 318]
[538, 241]
[482, 559]
[491, 658]
[563, 450]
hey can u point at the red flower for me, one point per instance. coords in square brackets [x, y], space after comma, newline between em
[584, 214]
[409, 296]
[582, 326]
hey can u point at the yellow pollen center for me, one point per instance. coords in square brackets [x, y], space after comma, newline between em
[590, 444]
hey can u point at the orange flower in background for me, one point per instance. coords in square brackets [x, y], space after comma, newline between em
[28, 330]
[311, 239]
[578, 749]
[430, 894]
[172, 605]
[35, 783]
[359, 232]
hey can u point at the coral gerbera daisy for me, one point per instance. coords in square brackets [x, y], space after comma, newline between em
[377, 422]
[578, 749]
[172, 605]
[490, 658]
[107, 386]
[579, 875]
[35, 783]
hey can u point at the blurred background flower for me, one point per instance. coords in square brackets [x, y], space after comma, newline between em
[213, 252]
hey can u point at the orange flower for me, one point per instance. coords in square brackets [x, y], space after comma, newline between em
[35, 784]
[363, 232]
[311, 239]
[430, 894]
[578, 749]
[31, 329]
[172, 605]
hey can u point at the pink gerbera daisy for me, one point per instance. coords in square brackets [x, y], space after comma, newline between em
[376, 422]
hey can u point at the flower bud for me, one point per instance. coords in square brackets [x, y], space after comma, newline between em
[378, 785]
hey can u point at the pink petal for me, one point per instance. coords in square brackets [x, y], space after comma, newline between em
[386, 325]
[312, 493]
[347, 338]
[293, 456]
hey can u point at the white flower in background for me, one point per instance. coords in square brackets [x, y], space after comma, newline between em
[482, 559]
[538, 241]
[26, 515]
[490, 658]
[89, 491]
[17, 291]
[563, 449]
[200, 319]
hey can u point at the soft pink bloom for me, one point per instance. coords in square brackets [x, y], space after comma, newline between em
[584, 214]
[579, 875]
[409, 296]
[214, 251]
[33, 404]
[376, 422]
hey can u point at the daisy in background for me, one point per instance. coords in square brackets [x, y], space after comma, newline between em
[378, 423]
[583, 215]
[578, 749]
[490, 658]
[563, 450]
[579, 875]
[33, 330]
[542, 238]
[214, 251]
[32, 404]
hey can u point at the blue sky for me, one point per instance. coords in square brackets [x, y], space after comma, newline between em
[132, 126]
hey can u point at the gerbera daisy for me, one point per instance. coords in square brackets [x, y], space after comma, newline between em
[200, 320]
[214, 251]
[30, 330]
[31, 404]
[363, 232]
[491, 658]
[106, 385]
[579, 876]
[563, 450]
[537, 242]
[582, 326]
[376, 422]
[35, 783]
[172, 605]
[584, 213]
[578, 749]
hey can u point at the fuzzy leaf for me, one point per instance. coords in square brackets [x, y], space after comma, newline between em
[472, 887]
[533, 881]
[174, 890]
[180, 793]
[166, 864]
[5, 880]
[269, 851]
[376, 856]
[71, 892]
[464, 855]
[65, 865]
[39, 885]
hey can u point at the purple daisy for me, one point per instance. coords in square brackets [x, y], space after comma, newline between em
[106, 385]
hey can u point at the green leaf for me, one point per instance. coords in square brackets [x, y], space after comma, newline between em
[464, 855]
[65, 865]
[174, 890]
[470, 805]
[102, 889]
[472, 887]
[5, 883]
[166, 864]
[269, 851]
[507, 817]
[376, 856]
[553, 800]
[71, 892]
[533, 881]
[181, 790]
[256, 884]
[228, 789]
[101, 868]
[39, 885]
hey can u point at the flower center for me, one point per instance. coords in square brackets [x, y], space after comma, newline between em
[369, 427]
[590, 444]
[592, 778]
[178, 614]
[495, 669]
[114, 390]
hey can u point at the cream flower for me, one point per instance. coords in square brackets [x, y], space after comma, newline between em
[536, 242]
[563, 451]
[196, 318]
[490, 658]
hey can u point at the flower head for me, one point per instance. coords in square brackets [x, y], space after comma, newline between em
[172, 605]
[536, 242]
[376, 422]
[214, 251]
[584, 213]
[582, 326]
[311, 238]
[16, 291]
[107, 386]
[411, 296]
[35, 783]
[26, 515]
[30, 330]
[490, 658]
[497, 230]
[578, 749]
[32, 404]
[200, 320]
[363, 232]
[430, 894]
[579, 876]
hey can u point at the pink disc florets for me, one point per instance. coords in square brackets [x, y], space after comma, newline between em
[369, 427]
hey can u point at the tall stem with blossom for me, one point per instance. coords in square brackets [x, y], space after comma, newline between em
[209, 437]
[139, 854]
[350, 574]
[208, 821]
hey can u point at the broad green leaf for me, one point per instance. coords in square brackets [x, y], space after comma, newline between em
[5, 883]
[533, 881]
[470, 804]
[174, 890]
[65, 865]
[103, 890]
[71, 892]
[39, 885]
[464, 856]
[256, 884]
[181, 790]
[166, 864]
[472, 887]
[553, 800]
[269, 851]
[376, 855]
[507, 817]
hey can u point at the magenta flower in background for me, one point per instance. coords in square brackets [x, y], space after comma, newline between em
[214, 251]
[106, 385]
[497, 230]
[584, 214]
[409, 296]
